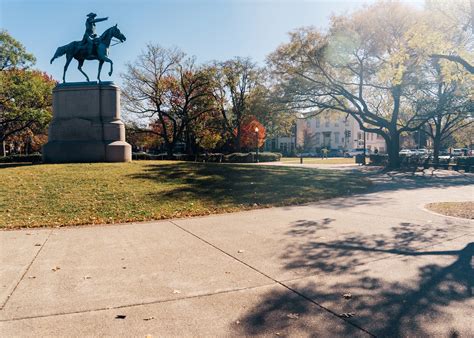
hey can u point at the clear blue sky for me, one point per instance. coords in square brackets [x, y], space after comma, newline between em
[208, 29]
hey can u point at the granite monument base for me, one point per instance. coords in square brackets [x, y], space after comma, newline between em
[86, 125]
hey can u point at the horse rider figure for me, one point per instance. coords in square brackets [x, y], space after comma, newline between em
[90, 34]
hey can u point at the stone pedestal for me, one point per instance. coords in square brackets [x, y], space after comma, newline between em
[86, 125]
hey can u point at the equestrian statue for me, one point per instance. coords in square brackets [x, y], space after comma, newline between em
[91, 47]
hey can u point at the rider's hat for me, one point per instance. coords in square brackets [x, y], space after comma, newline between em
[91, 15]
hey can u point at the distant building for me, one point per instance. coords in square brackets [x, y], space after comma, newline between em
[335, 133]
[281, 144]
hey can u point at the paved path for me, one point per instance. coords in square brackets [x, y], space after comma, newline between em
[369, 264]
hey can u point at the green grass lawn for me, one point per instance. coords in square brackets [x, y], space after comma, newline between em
[74, 194]
[316, 160]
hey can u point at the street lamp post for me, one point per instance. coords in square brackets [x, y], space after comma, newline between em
[364, 148]
[256, 144]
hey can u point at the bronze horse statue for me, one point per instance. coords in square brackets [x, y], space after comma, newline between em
[78, 51]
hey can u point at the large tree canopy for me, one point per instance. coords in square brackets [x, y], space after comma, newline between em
[234, 82]
[13, 53]
[368, 65]
[447, 31]
[168, 89]
[25, 95]
[25, 100]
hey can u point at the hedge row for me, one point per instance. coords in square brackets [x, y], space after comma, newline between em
[32, 158]
[216, 157]
[465, 160]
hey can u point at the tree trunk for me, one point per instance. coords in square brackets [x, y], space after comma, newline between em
[169, 149]
[393, 149]
[189, 147]
[436, 149]
[237, 140]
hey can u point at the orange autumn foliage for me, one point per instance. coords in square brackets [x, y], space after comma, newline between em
[248, 137]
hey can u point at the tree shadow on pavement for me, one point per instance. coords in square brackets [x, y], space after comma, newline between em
[399, 181]
[391, 285]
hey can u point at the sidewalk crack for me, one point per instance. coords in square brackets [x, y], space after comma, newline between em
[26, 271]
[274, 280]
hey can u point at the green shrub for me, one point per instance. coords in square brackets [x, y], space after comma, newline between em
[33, 158]
[251, 157]
[269, 157]
[215, 158]
[239, 158]
[146, 157]
[465, 160]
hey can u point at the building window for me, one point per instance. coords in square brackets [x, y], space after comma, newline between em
[308, 123]
[318, 138]
[327, 122]
[336, 137]
[318, 122]
[336, 124]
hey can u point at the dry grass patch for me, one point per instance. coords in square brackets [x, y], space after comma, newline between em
[75, 194]
[455, 209]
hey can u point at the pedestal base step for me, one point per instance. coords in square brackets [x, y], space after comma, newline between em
[86, 151]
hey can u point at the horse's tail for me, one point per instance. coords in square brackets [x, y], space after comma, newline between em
[59, 52]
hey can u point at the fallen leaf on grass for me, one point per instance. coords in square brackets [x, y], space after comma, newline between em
[347, 315]
[293, 315]
[120, 316]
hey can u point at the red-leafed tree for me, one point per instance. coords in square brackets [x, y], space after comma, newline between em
[252, 132]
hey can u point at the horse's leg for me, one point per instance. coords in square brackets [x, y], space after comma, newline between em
[79, 66]
[68, 61]
[101, 62]
[111, 65]
[102, 55]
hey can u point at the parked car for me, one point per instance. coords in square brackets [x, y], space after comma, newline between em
[460, 152]
[357, 151]
[336, 153]
[423, 153]
[405, 152]
[307, 155]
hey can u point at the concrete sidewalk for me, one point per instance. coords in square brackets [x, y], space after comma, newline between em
[368, 264]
